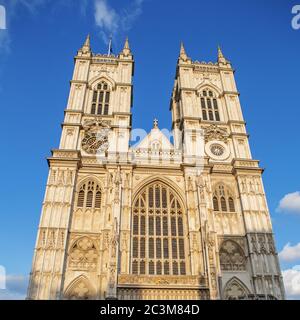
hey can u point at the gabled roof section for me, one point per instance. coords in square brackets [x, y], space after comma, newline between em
[156, 140]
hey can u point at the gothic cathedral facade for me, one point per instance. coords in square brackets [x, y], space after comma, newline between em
[184, 225]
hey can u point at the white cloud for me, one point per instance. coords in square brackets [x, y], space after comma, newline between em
[290, 203]
[291, 279]
[290, 253]
[16, 288]
[12, 6]
[106, 18]
[111, 21]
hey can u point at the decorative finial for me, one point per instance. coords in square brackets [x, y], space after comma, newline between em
[221, 58]
[155, 123]
[183, 56]
[220, 53]
[126, 45]
[87, 41]
[86, 48]
[182, 50]
[126, 50]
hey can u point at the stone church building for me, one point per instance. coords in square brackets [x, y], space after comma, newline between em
[184, 217]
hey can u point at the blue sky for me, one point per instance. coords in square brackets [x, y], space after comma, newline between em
[36, 64]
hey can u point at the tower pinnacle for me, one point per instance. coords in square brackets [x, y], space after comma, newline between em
[86, 48]
[221, 58]
[182, 55]
[126, 49]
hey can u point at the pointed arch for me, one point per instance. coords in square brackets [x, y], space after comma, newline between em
[96, 80]
[80, 289]
[223, 198]
[89, 193]
[209, 86]
[163, 180]
[232, 256]
[83, 254]
[159, 230]
[235, 289]
[209, 102]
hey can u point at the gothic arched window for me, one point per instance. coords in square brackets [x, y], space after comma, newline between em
[223, 200]
[158, 232]
[89, 195]
[209, 105]
[101, 99]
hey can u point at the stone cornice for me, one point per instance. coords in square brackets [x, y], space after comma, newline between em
[78, 82]
[60, 156]
[230, 92]
[246, 165]
[73, 111]
[241, 134]
[70, 124]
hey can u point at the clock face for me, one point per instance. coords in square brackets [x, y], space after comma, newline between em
[217, 150]
[94, 142]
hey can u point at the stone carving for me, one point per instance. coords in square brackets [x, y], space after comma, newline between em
[61, 177]
[254, 244]
[96, 122]
[163, 294]
[114, 239]
[105, 240]
[271, 244]
[117, 183]
[129, 279]
[190, 184]
[232, 256]
[83, 255]
[262, 244]
[79, 290]
[214, 132]
[235, 289]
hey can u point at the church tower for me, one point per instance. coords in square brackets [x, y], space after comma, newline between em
[76, 249]
[234, 219]
[154, 220]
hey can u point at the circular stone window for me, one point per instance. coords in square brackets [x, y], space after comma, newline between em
[217, 149]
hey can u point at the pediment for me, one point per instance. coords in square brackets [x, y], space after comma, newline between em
[155, 140]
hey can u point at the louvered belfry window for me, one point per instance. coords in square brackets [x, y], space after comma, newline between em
[158, 232]
[209, 106]
[101, 99]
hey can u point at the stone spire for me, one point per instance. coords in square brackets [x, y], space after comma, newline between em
[221, 58]
[86, 48]
[87, 42]
[182, 55]
[182, 49]
[126, 50]
[155, 124]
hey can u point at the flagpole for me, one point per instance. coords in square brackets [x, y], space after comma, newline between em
[109, 45]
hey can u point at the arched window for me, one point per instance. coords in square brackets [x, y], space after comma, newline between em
[158, 232]
[223, 200]
[89, 195]
[209, 105]
[101, 99]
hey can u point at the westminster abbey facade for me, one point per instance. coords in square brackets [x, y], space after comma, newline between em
[180, 218]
